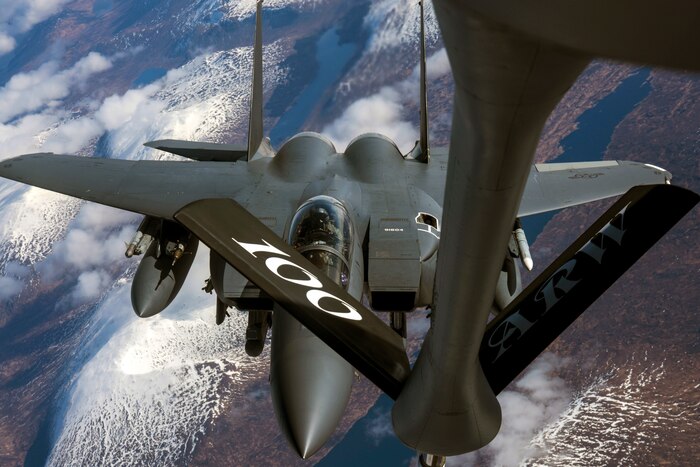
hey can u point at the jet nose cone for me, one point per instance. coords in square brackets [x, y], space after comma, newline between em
[310, 398]
[311, 386]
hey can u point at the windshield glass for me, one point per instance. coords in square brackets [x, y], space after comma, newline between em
[321, 230]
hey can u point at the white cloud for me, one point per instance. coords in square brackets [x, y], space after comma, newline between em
[27, 134]
[7, 43]
[18, 16]
[379, 113]
[95, 242]
[72, 136]
[383, 112]
[91, 284]
[117, 110]
[53, 128]
[9, 287]
[437, 64]
[12, 280]
[379, 426]
[540, 398]
[97, 217]
[95, 239]
[45, 86]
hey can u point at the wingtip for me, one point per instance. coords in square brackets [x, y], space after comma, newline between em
[155, 144]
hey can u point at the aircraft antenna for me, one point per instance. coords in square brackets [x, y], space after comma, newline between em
[255, 128]
[421, 152]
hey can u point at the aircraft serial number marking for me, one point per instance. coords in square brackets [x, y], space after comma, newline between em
[586, 176]
[561, 281]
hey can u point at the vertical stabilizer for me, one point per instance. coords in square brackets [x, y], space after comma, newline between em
[255, 128]
[421, 152]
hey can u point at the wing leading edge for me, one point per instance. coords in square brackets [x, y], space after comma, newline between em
[161, 188]
[154, 188]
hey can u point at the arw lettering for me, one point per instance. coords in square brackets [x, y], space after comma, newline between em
[562, 281]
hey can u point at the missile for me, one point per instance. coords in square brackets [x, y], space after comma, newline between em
[523, 247]
[131, 248]
[143, 237]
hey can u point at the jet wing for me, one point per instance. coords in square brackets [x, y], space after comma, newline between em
[318, 303]
[155, 188]
[561, 185]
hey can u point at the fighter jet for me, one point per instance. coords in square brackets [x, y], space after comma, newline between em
[301, 235]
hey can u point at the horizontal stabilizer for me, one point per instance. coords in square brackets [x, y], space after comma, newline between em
[206, 152]
[578, 277]
[296, 285]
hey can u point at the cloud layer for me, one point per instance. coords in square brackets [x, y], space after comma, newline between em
[538, 399]
[384, 112]
[46, 85]
[19, 16]
[94, 243]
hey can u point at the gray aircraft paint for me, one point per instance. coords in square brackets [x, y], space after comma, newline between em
[593, 132]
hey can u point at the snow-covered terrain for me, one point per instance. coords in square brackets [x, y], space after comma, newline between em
[149, 387]
[626, 413]
[206, 10]
[144, 390]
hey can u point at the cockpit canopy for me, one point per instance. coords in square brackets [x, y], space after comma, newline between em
[322, 231]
